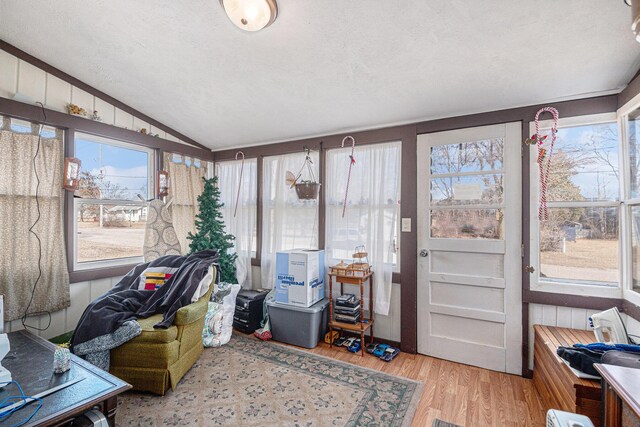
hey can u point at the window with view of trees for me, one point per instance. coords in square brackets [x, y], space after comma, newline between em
[455, 168]
[633, 147]
[116, 179]
[579, 243]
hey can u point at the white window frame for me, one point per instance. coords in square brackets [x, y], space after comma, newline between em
[151, 159]
[214, 172]
[627, 202]
[397, 264]
[597, 289]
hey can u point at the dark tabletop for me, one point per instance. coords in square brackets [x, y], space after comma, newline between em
[30, 361]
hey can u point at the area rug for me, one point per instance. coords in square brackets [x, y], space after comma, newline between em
[255, 383]
[440, 423]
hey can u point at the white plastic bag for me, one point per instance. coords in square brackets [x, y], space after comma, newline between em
[218, 322]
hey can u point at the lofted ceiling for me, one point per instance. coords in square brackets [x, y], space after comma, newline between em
[331, 65]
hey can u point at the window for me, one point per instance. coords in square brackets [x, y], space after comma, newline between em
[373, 203]
[579, 243]
[240, 222]
[467, 185]
[31, 218]
[116, 179]
[632, 147]
[287, 221]
[239, 179]
[186, 175]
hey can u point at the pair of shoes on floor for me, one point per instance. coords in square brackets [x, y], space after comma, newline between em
[383, 351]
[353, 344]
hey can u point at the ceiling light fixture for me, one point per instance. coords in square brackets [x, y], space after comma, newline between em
[251, 15]
[635, 17]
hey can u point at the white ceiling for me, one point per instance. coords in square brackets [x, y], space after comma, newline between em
[327, 66]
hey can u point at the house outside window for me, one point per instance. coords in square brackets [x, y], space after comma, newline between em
[577, 249]
[110, 209]
[372, 216]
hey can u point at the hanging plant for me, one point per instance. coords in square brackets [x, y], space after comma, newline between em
[306, 189]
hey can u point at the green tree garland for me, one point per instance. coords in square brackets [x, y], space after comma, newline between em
[210, 232]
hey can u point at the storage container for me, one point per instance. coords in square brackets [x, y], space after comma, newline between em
[300, 277]
[249, 310]
[301, 326]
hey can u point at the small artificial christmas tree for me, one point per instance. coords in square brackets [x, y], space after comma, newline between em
[210, 232]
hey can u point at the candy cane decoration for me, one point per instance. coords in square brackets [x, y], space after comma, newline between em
[235, 210]
[537, 139]
[352, 161]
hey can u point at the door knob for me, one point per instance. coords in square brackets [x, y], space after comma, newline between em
[424, 253]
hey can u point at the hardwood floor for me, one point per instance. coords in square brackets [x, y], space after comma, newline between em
[460, 394]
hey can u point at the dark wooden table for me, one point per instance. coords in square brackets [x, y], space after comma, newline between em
[621, 395]
[30, 362]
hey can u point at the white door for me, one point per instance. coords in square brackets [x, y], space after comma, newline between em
[469, 239]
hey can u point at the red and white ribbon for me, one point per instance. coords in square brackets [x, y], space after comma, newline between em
[543, 166]
[235, 210]
[352, 160]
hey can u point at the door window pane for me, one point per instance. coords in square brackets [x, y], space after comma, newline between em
[472, 156]
[467, 190]
[467, 223]
[580, 245]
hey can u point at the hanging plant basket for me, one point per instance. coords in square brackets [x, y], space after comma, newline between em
[308, 190]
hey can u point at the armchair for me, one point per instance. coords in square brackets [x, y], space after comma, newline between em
[159, 358]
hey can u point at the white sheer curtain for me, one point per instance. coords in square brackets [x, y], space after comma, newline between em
[186, 176]
[372, 211]
[243, 224]
[19, 211]
[287, 222]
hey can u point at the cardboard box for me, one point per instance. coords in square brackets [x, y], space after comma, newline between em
[300, 277]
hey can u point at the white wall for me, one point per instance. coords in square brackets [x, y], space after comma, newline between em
[551, 315]
[567, 317]
[20, 77]
[633, 327]
[62, 321]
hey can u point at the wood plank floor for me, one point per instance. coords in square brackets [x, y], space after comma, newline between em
[460, 394]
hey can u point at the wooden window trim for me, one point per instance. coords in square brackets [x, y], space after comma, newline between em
[70, 125]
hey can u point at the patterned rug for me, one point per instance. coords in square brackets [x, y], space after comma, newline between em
[254, 383]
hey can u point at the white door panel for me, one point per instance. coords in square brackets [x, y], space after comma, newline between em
[467, 296]
[469, 353]
[474, 264]
[469, 224]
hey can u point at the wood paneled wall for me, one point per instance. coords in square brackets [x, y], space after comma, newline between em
[18, 77]
[568, 317]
